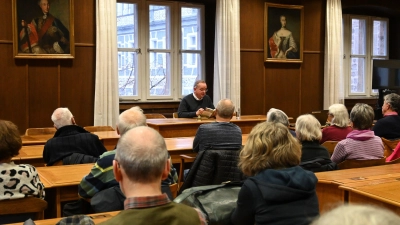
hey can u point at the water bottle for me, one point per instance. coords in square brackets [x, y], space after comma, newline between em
[238, 113]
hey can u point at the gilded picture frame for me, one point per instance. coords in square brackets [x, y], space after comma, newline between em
[43, 29]
[283, 33]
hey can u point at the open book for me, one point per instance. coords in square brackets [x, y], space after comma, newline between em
[208, 112]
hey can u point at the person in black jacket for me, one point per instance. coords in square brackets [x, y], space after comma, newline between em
[278, 191]
[70, 138]
[193, 105]
[314, 157]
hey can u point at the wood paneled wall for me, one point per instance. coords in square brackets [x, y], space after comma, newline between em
[30, 89]
[295, 88]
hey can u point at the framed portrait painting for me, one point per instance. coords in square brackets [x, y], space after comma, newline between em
[283, 33]
[43, 29]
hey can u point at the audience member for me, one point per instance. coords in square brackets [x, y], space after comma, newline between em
[314, 157]
[101, 176]
[16, 181]
[361, 143]
[141, 162]
[338, 117]
[71, 138]
[221, 134]
[389, 126]
[279, 191]
[358, 215]
[193, 105]
[278, 116]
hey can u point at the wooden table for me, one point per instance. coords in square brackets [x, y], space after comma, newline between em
[186, 127]
[108, 138]
[61, 185]
[176, 146]
[328, 191]
[97, 218]
[383, 192]
[35, 139]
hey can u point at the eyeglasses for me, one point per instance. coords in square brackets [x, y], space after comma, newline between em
[205, 90]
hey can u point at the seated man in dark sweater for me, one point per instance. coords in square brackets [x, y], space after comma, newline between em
[389, 126]
[70, 138]
[221, 134]
[193, 105]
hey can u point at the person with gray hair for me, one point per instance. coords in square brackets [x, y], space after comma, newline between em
[358, 215]
[338, 117]
[389, 126]
[140, 163]
[221, 134]
[101, 176]
[314, 157]
[71, 140]
[193, 105]
[361, 143]
[278, 116]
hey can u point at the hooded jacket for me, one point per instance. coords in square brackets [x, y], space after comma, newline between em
[278, 196]
[359, 144]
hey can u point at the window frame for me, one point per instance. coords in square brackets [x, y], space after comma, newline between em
[347, 41]
[176, 52]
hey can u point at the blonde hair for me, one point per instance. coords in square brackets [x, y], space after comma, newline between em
[269, 146]
[308, 128]
[340, 115]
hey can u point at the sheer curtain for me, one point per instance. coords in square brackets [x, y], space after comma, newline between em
[333, 69]
[106, 100]
[227, 51]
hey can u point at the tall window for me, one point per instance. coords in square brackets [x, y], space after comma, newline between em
[365, 39]
[160, 49]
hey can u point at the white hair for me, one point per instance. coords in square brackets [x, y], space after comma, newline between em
[131, 118]
[62, 117]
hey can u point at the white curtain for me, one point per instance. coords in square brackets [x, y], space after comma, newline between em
[333, 69]
[227, 51]
[106, 100]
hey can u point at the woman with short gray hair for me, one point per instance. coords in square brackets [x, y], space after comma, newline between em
[314, 157]
[339, 120]
[361, 143]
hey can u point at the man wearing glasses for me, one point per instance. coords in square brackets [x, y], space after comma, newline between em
[193, 105]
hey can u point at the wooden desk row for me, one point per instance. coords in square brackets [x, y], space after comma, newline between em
[33, 154]
[168, 128]
[372, 185]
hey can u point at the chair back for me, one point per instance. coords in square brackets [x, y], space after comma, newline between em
[174, 190]
[40, 131]
[155, 116]
[321, 116]
[389, 146]
[19, 210]
[98, 128]
[213, 167]
[330, 145]
[354, 163]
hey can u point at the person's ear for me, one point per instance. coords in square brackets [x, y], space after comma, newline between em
[118, 131]
[166, 170]
[73, 120]
[117, 171]
[55, 126]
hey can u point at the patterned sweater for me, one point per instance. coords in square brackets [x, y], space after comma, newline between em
[217, 135]
[19, 181]
[359, 144]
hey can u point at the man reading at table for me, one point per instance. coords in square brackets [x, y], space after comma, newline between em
[140, 164]
[193, 105]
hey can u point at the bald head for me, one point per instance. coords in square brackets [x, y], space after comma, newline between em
[142, 154]
[225, 108]
[131, 118]
[62, 117]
